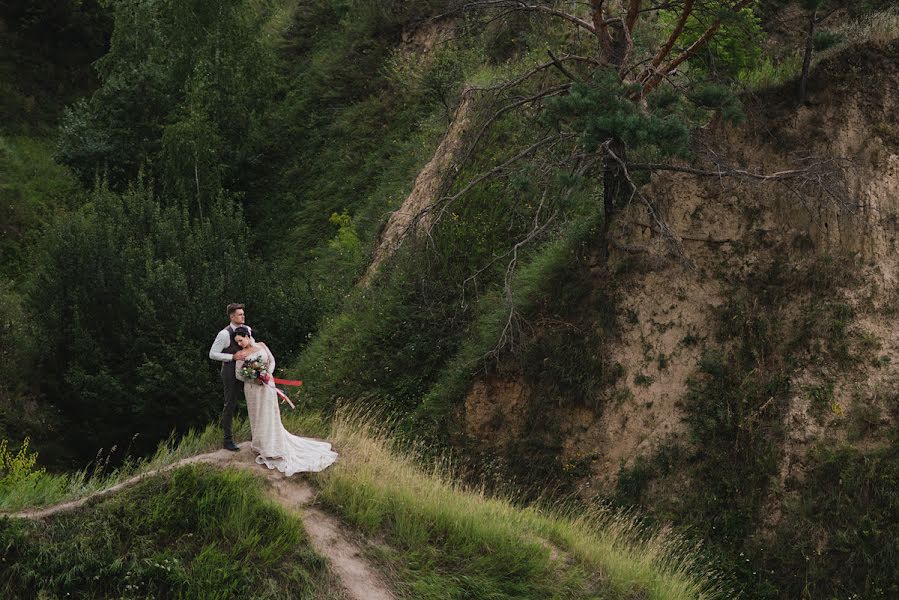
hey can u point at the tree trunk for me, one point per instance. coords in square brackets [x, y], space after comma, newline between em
[807, 59]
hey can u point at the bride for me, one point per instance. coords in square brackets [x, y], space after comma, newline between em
[277, 448]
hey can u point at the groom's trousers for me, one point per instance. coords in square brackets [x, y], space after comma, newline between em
[233, 390]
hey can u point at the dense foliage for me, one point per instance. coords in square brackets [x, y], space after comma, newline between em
[124, 298]
[181, 87]
[251, 150]
[46, 48]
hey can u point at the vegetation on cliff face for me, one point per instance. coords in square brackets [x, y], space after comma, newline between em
[253, 152]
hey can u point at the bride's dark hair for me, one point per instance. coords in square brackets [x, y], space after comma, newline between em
[243, 331]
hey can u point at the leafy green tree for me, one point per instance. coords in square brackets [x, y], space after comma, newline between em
[125, 298]
[46, 48]
[736, 47]
[182, 86]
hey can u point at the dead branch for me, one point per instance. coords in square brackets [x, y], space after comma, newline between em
[558, 64]
[507, 336]
[723, 171]
[583, 167]
[513, 82]
[662, 227]
[689, 238]
[444, 202]
[545, 93]
[520, 5]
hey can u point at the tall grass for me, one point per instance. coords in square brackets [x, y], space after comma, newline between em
[453, 541]
[443, 539]
[51, 488]
[878, 29]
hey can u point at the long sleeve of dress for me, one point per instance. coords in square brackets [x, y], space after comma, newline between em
[271, 360]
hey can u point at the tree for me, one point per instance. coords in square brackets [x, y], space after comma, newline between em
[182, 86]
[125, 297]
[817, 12]
[629, 96]
[46, 48]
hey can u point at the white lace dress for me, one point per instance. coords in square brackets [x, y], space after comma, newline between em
[278, 448]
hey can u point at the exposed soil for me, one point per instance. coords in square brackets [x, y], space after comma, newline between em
[728, 226]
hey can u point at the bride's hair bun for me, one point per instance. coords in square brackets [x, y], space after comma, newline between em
[242, 331]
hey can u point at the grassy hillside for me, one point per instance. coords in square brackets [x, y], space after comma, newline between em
[197, 533]
[200, 532]
[561, 379]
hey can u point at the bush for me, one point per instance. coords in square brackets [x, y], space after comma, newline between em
[125, 296]
[18, 468]
[840, 532]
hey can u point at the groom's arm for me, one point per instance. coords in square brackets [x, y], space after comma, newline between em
[222, 341]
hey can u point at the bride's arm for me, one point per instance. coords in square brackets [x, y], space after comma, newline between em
[238, 365]
[270, 358]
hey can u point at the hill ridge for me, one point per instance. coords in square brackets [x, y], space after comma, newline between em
[328, 536]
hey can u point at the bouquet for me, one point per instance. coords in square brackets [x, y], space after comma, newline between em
[256, 370]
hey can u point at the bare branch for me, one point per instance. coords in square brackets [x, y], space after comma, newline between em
[513, 82]
[662, 227]
[731, 172]
[520, 5]
[445, 201]
[827, 15]
[582, 167]
[558, 64]
[507, 336]
[555, 90]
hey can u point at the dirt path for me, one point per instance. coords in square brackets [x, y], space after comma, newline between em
[326, 534]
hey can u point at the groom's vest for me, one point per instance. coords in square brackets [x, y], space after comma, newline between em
[232, 349]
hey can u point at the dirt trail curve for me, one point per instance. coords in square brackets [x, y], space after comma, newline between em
[327, 535]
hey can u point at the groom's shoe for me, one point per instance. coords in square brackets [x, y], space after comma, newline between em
[229, 445]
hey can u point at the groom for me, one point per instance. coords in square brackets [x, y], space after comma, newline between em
[226, 350]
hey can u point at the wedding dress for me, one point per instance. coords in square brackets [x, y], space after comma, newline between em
[278, 448]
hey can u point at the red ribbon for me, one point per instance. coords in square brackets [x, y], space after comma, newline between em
[284, 397]
[271, 381]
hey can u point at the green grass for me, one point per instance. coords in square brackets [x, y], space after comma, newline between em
[446, 540]
[52, 488]
[876, 29]
[198, 532]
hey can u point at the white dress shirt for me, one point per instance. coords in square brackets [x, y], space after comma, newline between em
[222, 341]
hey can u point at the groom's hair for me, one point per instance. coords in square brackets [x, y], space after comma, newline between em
[232, 307]
[245, 332]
